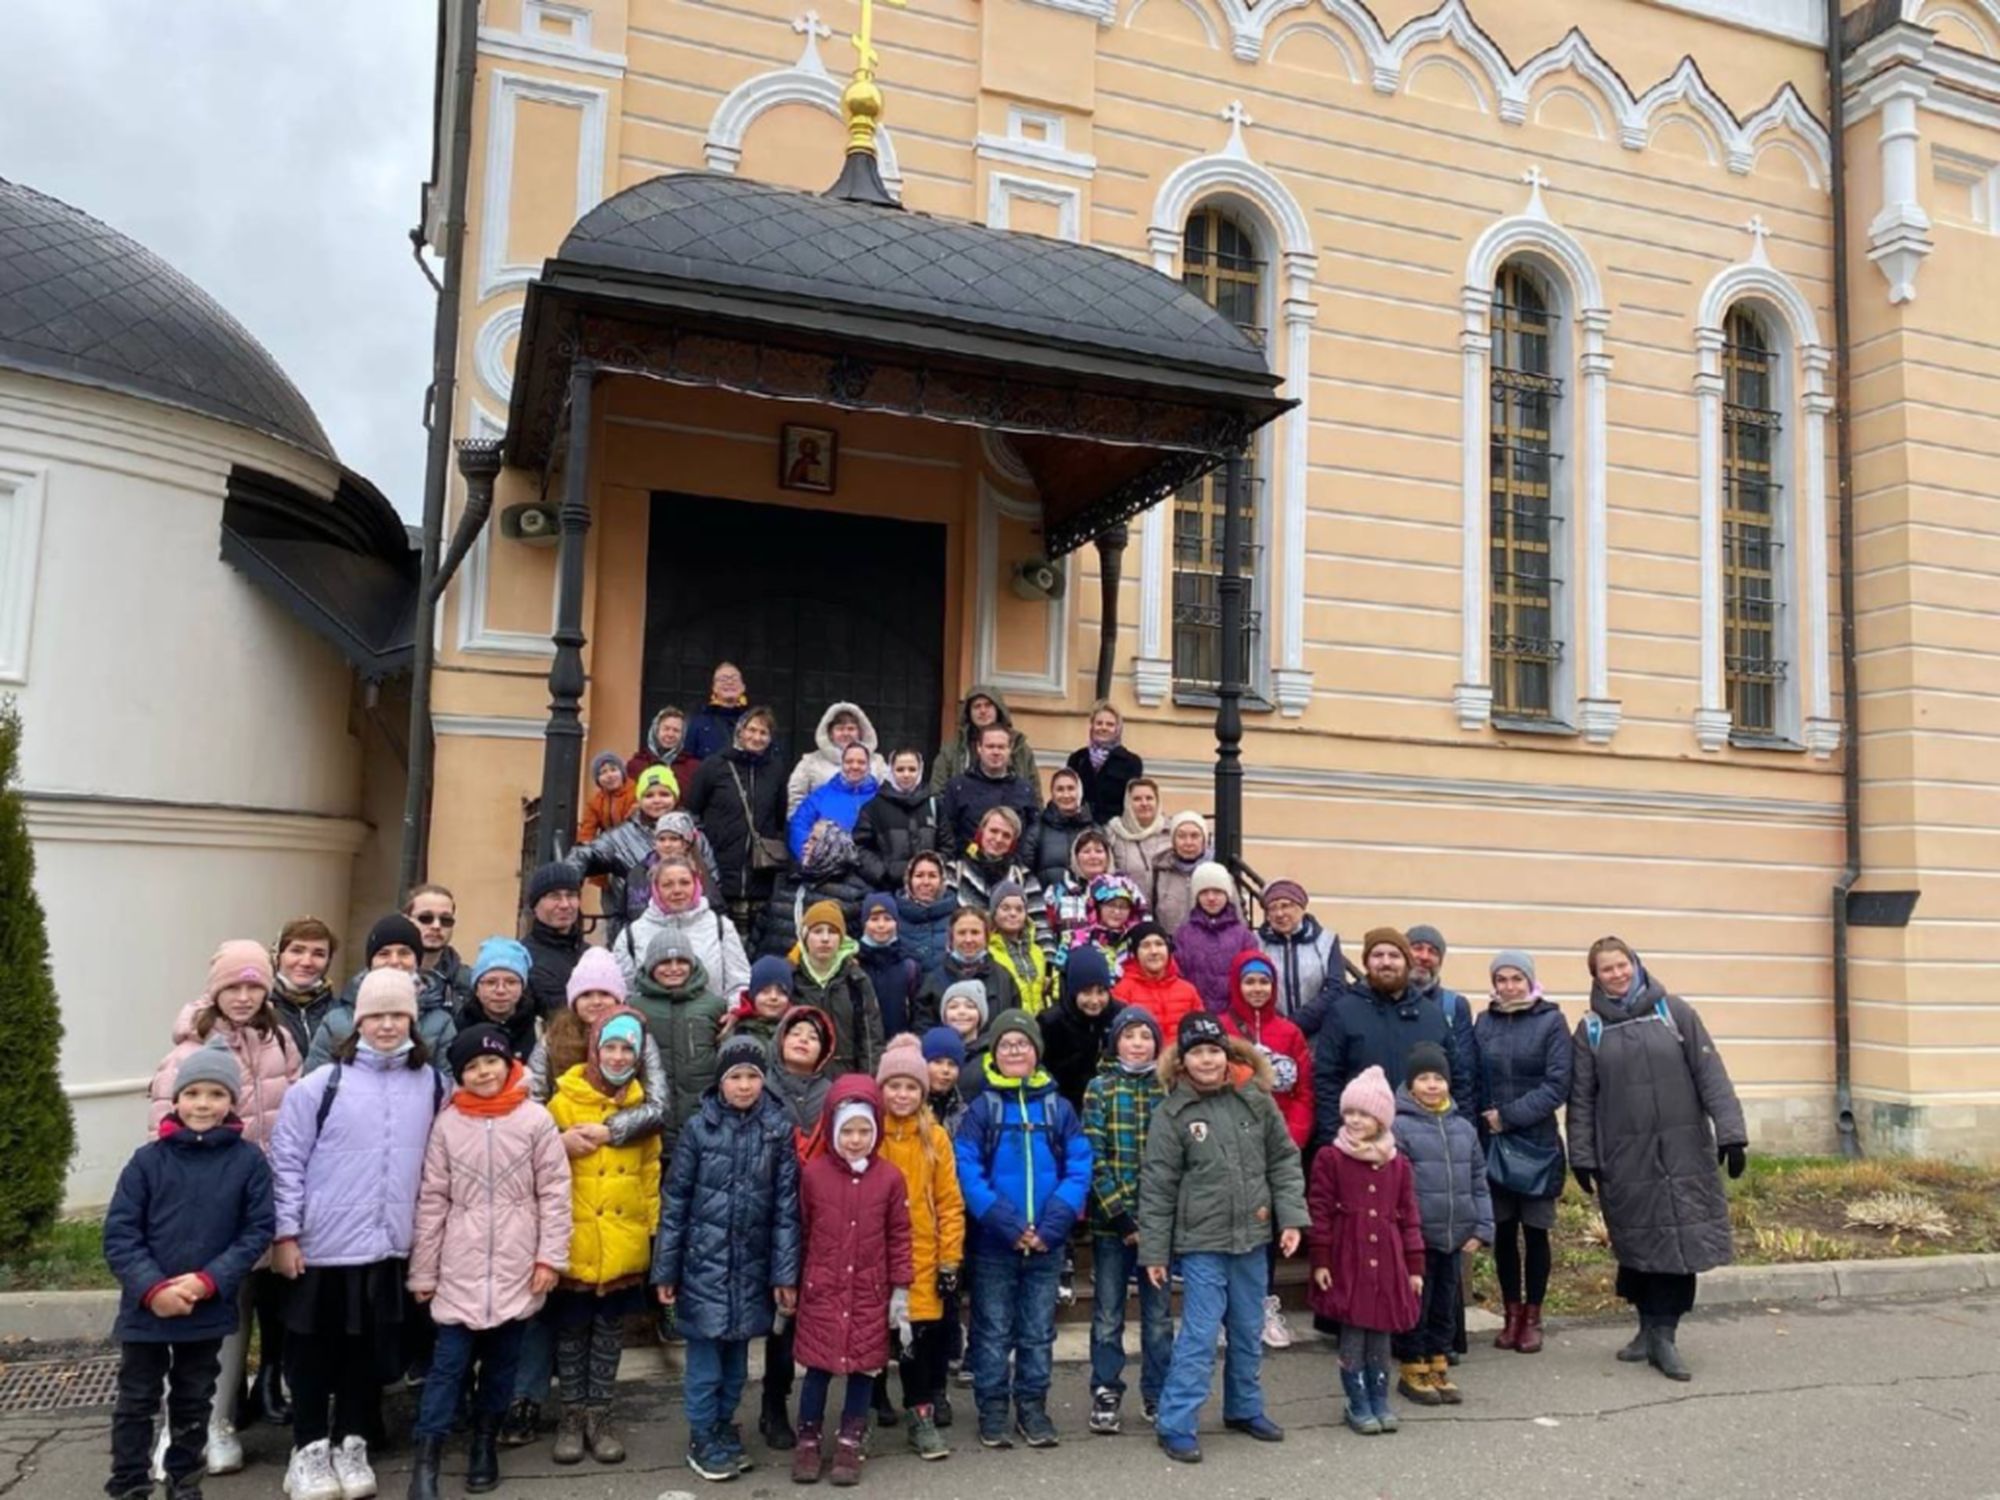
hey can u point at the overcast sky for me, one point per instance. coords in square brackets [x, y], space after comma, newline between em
[271, 150]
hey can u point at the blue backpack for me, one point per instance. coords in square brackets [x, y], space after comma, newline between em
[1593, 1024]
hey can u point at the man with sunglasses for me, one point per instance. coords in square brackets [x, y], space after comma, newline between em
[435, 911]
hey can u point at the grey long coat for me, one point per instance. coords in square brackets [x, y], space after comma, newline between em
[1648, 1105]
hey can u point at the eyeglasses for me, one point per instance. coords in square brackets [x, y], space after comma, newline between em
[435, 919]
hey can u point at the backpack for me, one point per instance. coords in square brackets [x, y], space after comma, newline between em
[333, 1088]
[989, 1101]
[1593, 1024]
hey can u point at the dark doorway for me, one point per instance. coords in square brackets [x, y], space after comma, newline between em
[814, 606]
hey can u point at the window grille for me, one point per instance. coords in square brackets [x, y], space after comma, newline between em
[1752, 428]
[1523, 526]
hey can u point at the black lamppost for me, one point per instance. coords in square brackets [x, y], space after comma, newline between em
[562, 751]
[1229, 691]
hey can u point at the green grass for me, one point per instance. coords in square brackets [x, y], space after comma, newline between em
[70, 1257]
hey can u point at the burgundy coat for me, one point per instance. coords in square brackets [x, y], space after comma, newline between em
[1366, 1231]
[857, 1249]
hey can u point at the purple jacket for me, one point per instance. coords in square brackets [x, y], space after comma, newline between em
[347, 1191]
[1206, 948]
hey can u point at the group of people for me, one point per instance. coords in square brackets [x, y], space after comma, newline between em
[874, 1117]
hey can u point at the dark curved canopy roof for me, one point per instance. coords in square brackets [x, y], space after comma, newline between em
[697, 228]
[79, 301]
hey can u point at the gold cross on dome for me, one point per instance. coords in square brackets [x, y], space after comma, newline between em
[865, 56]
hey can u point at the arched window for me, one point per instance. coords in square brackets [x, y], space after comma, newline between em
[1219, 262]
[1524, 518]
[1753, 594]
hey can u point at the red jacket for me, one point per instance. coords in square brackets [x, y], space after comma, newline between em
[1281, 1042]
[857, 1249]
[1366, 1231]
[1168, 998]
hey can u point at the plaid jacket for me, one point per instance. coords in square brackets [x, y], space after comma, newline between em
[1117, 1108]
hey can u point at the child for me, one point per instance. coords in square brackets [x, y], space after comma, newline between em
[596, 988]
[1212, 937]
[895, 976]
[969, 957]
[683, 1018]
[1152, 979]
[1024, 1166]
[854, 1218]
[493, 1234]
[762, 1002]
[801, 1056]
[615, 1202]
[1114, 905]
[1170, 893]
[499, 995]
[619, 852]
[347, 1158]
[728, 1248]
[1253, 1018]
[191, 1214]
[675, 836]
[1364, 1212]
[1078, 1025]
[964, 1014]
[1117, 1110]
[944, 1060]
[1068, 897]
[1220, 1169]
[924, 909]
[825, 976]
[917, 1146]
[1456, 1207]
[611, 800]
[665, 746]
[1017, 950]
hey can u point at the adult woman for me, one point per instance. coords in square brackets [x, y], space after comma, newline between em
[713, 729]
[969, 957]
[738, 798]
[1651, 1113]
[899, 821]
[677, 906]
[1169, 885]
[1524, 1057]
[1069, 898]
[1065, 819]
[842, 724]
[838, 801]
[1140, 833]
[1105, 766]
[923, 910]
[980, 707]
[990, 862]
[1306, 955]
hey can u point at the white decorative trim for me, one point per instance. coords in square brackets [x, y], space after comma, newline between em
[804, 82]
[1002, 458]
[579, 18]
[475, 638]
[1899, 235]
[1053, 679]
[550, 51]
[1193, 8]
[1450, 22]
[1922, 12]
[1104, 12]
[489, 726]
[496, 272]
[1794, 20]
[1598, 718]
[70, 818]
[1473, 702]
[1822, 737]
[489, 351]
[1293, 690]
[23, 492]
[1711, 728]
[1445, 64]
[1002, 188]
[1962, 85]
[1152, 676]
[1044, 153]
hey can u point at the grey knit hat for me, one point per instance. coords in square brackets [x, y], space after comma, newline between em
[966, 989]
[1423, 932]
[1513, 958]
[214, 1063]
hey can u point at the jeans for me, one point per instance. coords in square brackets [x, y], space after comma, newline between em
[1216, 1291]
[713, 1384]
[497, 1352]
[1113, 1263]
[188, 1372]
[1013, 1316]
[535, 1368]
[1437, 1320]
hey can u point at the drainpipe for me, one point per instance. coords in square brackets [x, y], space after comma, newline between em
[1111, 544]
[442, 401]
[1850, 739]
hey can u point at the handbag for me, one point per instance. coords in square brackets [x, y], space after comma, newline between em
[766, 853]
[1523, 1167]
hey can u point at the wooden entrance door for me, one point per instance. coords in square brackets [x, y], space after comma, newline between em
[814, 606]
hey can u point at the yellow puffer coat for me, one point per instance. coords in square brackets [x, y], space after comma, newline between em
[918, 1147]
[614, 1191]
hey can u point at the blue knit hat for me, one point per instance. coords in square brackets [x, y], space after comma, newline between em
[768, 971]
[1085, 969]
[1124, 1021]
[501, 953]
[942, 1041]
[879, 901]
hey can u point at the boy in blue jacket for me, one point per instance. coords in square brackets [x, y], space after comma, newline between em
[1024, 1167]
[191, 1214]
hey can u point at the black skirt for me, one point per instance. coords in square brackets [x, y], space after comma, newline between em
[366, 1302]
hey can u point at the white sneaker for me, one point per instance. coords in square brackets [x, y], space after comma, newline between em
[350, 1468]
[225, 1449]
[1277, 1332]
[310, 1473]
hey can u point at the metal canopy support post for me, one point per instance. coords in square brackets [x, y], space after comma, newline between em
[1229, 692]
[1111, 544]
[562, 746]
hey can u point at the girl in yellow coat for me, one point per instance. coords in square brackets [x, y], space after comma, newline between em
[614, 1204]
[914, 1142]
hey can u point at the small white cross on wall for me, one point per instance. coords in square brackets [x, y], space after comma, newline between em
[1236, 114]
[810, 24]
[1535, 180]
[1758, 234]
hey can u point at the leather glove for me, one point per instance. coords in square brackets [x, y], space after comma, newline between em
[899, 1315]
[1585, 1179]
[1736, 1156]
[947, 1281]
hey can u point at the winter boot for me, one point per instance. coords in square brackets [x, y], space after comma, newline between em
[424, 1461]
[1661, 1353]
[807, 1460]
[924, 1439]
[1359, 1412]
[267, 1396]
[1031, 1420]
[482, 1458]
[1417, 1384]
[599, 1435]
[1530, 1341]
[1509, 1337]
[775, 1426]
[1636, 1352]
[941, 1412]
[1378, 1400]
[850, 1446]
[1448, 1393]
[569, 1436]
[886, 1414]
[187, 1487]
[523, 1424]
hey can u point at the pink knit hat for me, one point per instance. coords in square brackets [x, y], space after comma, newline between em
[904, 1058]
[596, 970]
[1368, 1091]
[238, 961]
[386, 992]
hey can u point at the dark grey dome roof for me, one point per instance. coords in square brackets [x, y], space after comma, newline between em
[80, 301]
[704, 229]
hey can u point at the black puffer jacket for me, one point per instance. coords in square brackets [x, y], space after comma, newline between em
[520, 1026]
[1001, 991]
[1104, 791]
[729, 1217]
[719, 808]
[848, 1000]
[1059, 831]
[776, 928]
[890, 828]
[551, 957]
[971, 796]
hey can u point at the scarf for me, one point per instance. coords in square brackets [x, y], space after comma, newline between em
[1441, 1108]
[283, 989]
[829, 849]
[804, 959]
[1377, 1151]
[608, 1084]
[513, 1094]
[1515, 1007]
